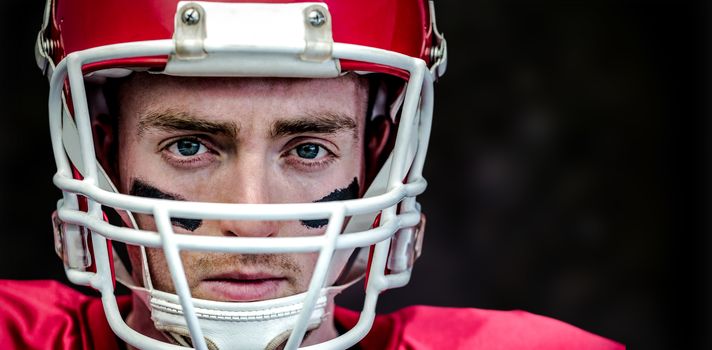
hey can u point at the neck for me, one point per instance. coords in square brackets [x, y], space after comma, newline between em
[139, 319]
[326, 331]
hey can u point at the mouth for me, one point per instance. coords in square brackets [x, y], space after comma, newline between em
[243, 287]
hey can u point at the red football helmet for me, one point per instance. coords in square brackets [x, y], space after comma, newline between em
[84, 42]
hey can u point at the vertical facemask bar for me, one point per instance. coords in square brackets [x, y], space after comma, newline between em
[405, 130]
[81, 115]
[318, 280]
[422, 121]
[410, 114]
[69, 200]
[409, 121]
[425, 120]
[376, 284]
[409, 204]
[102, 281]
[400, 164]
[175, 266]
[55, 122]
[407, 124]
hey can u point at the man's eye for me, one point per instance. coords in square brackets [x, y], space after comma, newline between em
[310, 151]
[187, 148]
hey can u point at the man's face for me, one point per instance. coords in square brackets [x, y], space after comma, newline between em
[240, 141]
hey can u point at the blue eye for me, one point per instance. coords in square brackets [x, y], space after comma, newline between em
[310, 156]
[309, 150]
[187, 147]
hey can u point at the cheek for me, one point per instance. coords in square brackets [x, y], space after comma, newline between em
[134, 253]
[307, 264]
[158, 268]
[160, 276]
[127, 156]
[132, 164]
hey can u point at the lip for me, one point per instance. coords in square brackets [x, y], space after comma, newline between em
[243, 287]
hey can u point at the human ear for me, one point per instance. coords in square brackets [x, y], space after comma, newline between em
[378, 143]
[104, 133]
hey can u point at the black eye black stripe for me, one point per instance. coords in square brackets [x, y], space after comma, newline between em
[349, 192]
[142, 189]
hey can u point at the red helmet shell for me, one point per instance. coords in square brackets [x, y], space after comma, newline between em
[398, 25]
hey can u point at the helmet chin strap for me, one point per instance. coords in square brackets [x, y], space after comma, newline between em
[239, 325]
[264, 324]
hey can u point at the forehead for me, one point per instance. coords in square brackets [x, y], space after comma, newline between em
[142, 92]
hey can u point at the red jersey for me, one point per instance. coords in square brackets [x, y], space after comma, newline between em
[49, 315]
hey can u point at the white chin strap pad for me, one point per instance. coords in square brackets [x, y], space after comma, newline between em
[237, 325]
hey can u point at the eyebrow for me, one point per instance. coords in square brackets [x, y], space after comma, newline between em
[321, 123]
[170, 120]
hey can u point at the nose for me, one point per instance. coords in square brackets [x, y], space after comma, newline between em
[248, 181]
[252, 228]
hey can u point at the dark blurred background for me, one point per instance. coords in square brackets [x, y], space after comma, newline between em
[568, 165]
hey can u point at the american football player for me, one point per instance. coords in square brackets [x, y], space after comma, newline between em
[236, 165]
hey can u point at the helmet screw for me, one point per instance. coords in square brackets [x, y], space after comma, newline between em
[316, 18]
[190, 16]
[48, 46]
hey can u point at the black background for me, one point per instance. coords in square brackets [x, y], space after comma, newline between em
[568, 165]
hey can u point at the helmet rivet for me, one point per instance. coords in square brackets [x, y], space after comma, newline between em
[316, 18]
[190, 16]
